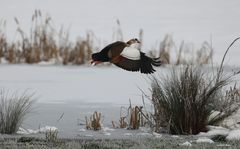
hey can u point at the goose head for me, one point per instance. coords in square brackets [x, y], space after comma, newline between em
[133, 41]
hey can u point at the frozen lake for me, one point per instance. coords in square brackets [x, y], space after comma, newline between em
[76, 92]
[73, 91]
[59, 84]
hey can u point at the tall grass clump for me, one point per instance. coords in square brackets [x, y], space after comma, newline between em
[184, 102]
[13, 110]
[190, 99]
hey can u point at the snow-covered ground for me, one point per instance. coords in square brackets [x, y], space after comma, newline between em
[190, 20]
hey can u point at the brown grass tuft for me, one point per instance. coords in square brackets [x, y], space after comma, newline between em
[94, 122]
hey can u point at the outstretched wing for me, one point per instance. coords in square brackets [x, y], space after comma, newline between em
[127, 64]
[147, 63]
[144, 64]
[113, 49]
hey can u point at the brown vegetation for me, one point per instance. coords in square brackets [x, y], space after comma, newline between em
[45, 43]
[94, 122]
[134, 118]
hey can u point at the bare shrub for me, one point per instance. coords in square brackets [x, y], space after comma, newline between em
[13, 110]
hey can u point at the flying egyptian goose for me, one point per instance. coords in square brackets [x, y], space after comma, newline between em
[126, 57]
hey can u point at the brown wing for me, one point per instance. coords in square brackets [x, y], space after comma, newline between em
[113, 50]
[144, 65]
[127, 64]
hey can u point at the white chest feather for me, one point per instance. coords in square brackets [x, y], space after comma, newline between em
[131, 53]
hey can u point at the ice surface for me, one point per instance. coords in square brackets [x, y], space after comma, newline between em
[76, 92]
[59, 84]
[73, 92]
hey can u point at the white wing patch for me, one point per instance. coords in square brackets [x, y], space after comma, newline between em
[131, 53]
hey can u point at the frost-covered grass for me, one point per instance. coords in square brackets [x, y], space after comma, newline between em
[13, 110]
[184, 101]
[167, 143]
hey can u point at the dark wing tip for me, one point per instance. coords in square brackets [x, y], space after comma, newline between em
[156, 62]
[147, 64]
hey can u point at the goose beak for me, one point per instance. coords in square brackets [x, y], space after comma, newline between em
[93, 63]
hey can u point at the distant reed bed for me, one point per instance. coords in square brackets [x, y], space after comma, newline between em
[44, 43]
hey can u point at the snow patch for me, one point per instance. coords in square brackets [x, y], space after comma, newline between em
[106, 133]
[82, 130]
[47, 129]
[23, 131]
[145, 129]
[88, 135]
[223, 145]
[144, 134]
[234, 135]
[157, 135]
[233, 121]
[128, 134]
[3, 61]
[215, 130]
[186, 144]
[175, 136]
[40, 130]
[50, 62]
[107, 129]
[204, 140]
